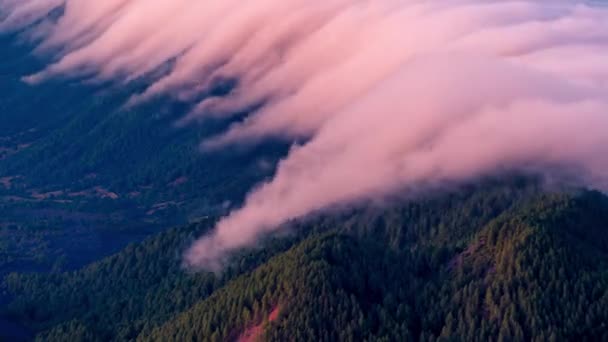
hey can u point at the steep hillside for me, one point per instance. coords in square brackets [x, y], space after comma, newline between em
[498, 260]
[530, 274]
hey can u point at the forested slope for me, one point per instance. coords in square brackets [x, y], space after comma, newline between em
[498, 260]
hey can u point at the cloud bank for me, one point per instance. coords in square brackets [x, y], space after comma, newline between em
[386, 94]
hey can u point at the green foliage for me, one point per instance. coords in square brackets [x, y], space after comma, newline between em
[498, 262]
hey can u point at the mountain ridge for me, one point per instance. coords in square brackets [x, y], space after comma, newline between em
[498, 278]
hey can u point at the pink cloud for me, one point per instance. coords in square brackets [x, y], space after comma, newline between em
[389, 94]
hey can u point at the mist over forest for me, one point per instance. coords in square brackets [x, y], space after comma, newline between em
[293, 170]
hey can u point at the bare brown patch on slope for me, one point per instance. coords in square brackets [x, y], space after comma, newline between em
[254, 332]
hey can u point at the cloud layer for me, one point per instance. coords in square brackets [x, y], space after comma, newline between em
[387, 94]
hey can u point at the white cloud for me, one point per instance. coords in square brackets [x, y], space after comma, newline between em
[389, 94]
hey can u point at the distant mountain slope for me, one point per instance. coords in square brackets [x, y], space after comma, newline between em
[501, 260]
[78, 169]
[62, 133]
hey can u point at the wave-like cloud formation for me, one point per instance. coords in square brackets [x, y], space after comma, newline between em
[387, 94]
